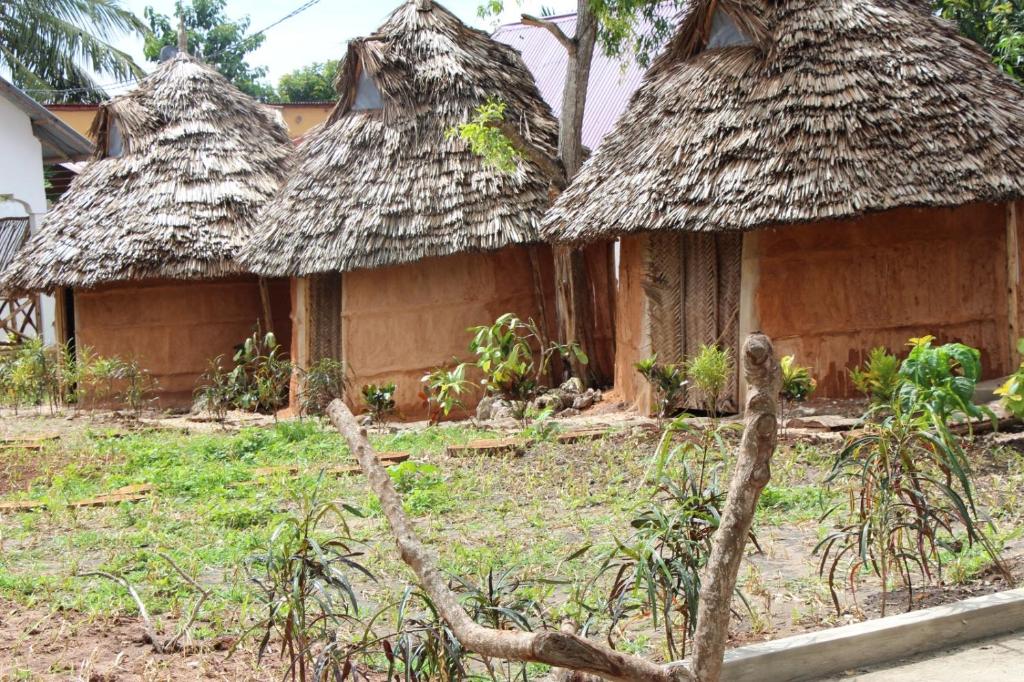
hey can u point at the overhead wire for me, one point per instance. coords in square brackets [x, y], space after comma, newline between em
[102, 87]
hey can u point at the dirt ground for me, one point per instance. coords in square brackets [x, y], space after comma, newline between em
[787, 596]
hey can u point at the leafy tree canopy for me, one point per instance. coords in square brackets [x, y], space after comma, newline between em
[218, 40]
[996, 25]
[626, 28]
[55, 48]
[313, 83]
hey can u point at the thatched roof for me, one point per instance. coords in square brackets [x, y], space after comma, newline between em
[834, 108]
[381, 186]
[200, 158]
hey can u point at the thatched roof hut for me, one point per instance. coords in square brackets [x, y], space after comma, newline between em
[848, 117]
[381, 182]
[141, 249]
[183, 164]
[398, 234]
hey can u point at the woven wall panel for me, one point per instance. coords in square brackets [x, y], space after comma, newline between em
[663, 284]
[693, 292]
[324, 317]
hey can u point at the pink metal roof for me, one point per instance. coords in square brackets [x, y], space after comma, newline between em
[612, 82]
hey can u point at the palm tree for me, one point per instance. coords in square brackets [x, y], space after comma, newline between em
[62, 45]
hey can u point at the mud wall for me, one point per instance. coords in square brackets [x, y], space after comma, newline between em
[175, 328]
[632, 337]
[829, 292]
[400, 322]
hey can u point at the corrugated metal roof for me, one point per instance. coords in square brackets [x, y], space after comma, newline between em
[612, 80]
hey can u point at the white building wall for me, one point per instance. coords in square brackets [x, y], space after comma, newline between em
[22, 192]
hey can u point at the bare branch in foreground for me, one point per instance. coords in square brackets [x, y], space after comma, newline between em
[172, 645]
[565, 649]
[558, 649]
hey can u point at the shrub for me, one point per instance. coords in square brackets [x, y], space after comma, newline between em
[513, 356]
[1012, 391]
[910, 488]
[940, 380]
[258, 382]
[666, 380]
[708, 372]
[303, 580]
[797, 382]
[324, 381]
[442, 390]
[215, 393]
[879, 377]
[379, 401]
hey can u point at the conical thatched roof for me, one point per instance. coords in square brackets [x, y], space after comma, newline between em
[382, 185]
[200, 158]
[834, 108]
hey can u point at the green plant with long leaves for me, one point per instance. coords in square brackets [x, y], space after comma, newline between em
[215, 393]
[55, 49]
[879, 377]
[442, 389]
[514, 355]
[131, 384]
[667, 380]
[911, 493]
[1012, 390]
[303, 579]
[941, 380]
[656, 570]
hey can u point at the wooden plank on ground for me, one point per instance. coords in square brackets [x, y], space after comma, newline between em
[502, 446]
[580, 435]
[824, 422]
[27, 442]
[129, 493]
[386, 458]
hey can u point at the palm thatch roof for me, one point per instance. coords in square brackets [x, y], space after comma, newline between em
[380, 183]
[200, 158]
[766, 112]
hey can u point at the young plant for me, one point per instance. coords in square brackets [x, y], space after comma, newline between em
[215, 393]
[1012, 390]
[261, 374]
[668, 381]
[303, 581]
[656, 571]
[879, 378]
[941, 381]
[379, 401]
[797, 384]
[910, 492]
[513, 356]
[127, 381]
[323, 382]
[708, 373]
[442, 390]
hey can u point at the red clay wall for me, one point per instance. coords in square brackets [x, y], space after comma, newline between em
[175, 328]
[400, 322]
[632, 342]
[829, 292]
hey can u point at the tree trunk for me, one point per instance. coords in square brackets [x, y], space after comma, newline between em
[564, 649]
[753, 470]
[574, 301]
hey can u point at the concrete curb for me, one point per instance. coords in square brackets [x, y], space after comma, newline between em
[819, 654]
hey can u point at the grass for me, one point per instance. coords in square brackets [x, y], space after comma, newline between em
[210, 513]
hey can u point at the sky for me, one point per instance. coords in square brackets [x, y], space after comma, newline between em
[322, 31]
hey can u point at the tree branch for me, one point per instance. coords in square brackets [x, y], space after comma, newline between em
[550, 167]
[554, 29]
[753, 470]
[558, 649]
[564, 649]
